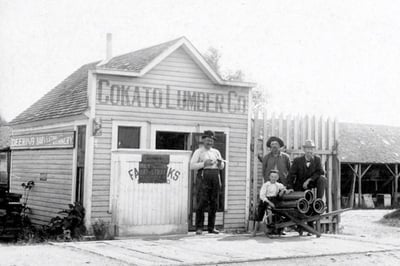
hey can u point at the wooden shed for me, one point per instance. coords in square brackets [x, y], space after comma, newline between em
[118, 134]
[370, 158]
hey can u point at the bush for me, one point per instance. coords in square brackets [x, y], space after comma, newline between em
[30, 234]
[101, 230]
[392, 218]
[69, 227]
[393, 215]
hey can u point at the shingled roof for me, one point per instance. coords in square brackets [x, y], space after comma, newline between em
[69, 98]
[361, 143]
[137, 60]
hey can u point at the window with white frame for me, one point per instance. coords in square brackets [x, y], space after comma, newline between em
[129, 135]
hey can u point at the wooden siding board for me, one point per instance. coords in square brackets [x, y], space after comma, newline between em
[46, 197]
[180, 118]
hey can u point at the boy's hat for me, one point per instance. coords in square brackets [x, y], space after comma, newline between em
[208, 134]
[273, 138]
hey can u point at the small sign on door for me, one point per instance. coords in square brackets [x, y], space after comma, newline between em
[153, 168]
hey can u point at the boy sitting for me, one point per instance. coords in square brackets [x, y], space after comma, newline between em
[269, 192]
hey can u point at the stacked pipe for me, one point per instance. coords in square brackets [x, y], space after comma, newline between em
[303, 202]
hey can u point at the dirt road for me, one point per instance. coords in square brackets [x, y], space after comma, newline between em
[364, 243]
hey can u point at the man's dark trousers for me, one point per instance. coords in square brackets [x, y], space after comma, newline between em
[207, 195]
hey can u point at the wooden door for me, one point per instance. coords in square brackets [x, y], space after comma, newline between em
[150, 192]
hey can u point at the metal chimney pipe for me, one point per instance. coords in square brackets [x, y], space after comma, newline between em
[109, 47]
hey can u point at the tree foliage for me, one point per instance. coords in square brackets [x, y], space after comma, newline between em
[213, 57]
[2, 121]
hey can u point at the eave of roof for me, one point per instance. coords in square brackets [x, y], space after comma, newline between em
[69, 98]
[146, 59]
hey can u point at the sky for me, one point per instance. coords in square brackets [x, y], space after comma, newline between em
[327, 58]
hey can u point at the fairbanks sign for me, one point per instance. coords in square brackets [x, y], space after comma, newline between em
[168, 97]
[54, 140]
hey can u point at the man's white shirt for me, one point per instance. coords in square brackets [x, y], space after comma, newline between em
[201, 155]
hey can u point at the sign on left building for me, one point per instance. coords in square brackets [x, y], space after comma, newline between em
[44, 141]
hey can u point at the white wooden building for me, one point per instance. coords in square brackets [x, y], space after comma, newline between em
[118, 134]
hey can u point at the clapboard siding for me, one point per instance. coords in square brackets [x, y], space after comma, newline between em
[160, 115]
[179, 72]
[46, 197]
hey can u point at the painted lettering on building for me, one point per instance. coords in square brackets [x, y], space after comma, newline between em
[169, 97]
[54, 140]
[170, 174]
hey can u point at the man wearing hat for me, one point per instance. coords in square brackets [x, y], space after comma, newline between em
[276, 160]
[307, 172]
[208, 163]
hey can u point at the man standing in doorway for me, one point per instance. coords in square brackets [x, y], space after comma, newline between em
[276, 160]
[306, 171]
[208, 163]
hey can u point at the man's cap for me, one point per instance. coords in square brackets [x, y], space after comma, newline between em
[309, 144]
[208, 134]
[273, 138]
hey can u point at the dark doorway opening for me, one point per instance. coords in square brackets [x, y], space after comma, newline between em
[166, 140]
[80, 171]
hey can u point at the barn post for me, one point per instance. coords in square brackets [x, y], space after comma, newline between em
[359, 186]
[353, 184]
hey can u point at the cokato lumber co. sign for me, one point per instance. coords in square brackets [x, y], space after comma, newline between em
[169, 97]
[54, 140]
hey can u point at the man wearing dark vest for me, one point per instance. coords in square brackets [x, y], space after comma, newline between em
[208, 163]
[306, 171]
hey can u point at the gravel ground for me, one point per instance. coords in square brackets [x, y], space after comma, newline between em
[46, 254]
[359, 226]
[363, 225]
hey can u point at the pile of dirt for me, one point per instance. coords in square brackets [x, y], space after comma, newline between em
[392, 218]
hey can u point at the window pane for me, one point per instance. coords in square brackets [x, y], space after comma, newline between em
[129, 137]
[171, 140]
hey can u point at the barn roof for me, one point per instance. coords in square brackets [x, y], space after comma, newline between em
[361, 143]
[69, 98]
